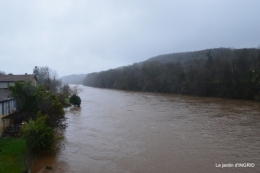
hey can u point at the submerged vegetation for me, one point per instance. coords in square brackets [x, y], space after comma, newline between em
[75, 100]
[228, 73]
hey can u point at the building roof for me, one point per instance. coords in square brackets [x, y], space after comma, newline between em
[4, 94]
[17, 78]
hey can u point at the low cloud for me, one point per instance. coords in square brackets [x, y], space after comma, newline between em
[75, 37]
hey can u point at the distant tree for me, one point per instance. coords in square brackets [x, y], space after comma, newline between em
[75, 100]
[36, 72]
[47, 77]
[91, 80]
[2, 73]
[209, 60]
[66, 90]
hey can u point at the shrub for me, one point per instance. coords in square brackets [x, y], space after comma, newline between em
[75, 100]
[38, 135]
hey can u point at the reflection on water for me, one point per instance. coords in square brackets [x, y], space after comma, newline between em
[132, 132]
[73, 110]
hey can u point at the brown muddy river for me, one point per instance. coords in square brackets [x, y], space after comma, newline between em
[134, 132]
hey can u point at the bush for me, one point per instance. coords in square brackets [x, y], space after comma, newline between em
[38, 135]
[75, 100]
[51, 106]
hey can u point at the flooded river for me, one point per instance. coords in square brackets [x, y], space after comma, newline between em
[134, 132]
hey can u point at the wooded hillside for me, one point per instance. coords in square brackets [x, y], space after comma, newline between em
[229, 73]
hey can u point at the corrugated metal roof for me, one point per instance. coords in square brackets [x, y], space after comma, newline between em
[4, 93]
[17, 78]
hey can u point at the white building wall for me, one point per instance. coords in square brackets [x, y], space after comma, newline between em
[4, 106]
[3, 85]
[1, 121]
[11, 84]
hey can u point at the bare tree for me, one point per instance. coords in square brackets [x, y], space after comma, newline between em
[55, 83]
[48, 78]
[66, 90]
[2, 73]
[76, 90]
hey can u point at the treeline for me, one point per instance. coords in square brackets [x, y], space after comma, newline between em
[228, 73]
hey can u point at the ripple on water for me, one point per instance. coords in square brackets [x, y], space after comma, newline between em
[128, 132]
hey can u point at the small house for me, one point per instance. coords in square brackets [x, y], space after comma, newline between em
[9, 80]
[7, 107]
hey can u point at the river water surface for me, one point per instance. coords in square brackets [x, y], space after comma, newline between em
[134, 132]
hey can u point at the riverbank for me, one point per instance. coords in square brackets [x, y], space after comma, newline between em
[12, 155]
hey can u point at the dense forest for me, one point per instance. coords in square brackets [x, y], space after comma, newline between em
[222, 72]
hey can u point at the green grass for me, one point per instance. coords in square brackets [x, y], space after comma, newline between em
[12, 149]
[67, 103]
[67, 100]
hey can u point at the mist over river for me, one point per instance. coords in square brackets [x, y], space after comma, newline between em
[134, 132]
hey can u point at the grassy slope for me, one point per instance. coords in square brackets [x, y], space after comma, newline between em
[11, 150]
[67, 100]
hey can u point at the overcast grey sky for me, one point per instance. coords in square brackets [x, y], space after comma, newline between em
[83, 36]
